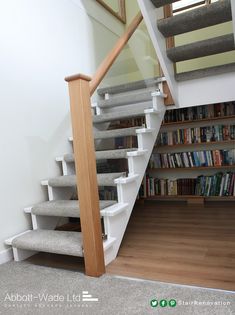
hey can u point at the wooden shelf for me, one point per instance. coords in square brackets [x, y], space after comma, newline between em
[197, 121]
[192, 168]
[181, 145]
[185, 197]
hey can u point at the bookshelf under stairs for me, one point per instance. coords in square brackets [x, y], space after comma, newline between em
[194, 156]
[200, 85]
[140, 99]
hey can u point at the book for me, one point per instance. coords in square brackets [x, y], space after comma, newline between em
[200, 112]
[193, 159]
[219, 184]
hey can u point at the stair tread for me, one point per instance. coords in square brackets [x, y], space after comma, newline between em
[125, 99]
[202, 48]
[142, 84]
[208, 15]
[57, 242]
[161, 3]
[130, 113]
[101, 155]
[64, 208]
[115, 133]
[201, 73]
[106, 179]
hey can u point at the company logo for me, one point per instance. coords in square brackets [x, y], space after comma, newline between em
[86, 297]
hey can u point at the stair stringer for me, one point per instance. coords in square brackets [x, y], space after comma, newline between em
[207, 90]
[127, 190]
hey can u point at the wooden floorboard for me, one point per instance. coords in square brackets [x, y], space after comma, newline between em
[180, 243]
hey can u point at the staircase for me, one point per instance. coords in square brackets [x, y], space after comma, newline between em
[139, 99]
[200, 86]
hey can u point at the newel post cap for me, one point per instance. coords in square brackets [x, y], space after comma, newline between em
[78, 76]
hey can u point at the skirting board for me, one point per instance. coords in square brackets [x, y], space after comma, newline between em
[6, 255]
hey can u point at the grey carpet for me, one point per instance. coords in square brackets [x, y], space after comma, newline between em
[115, 133]
[215, 13]
[70, 180]
[122, 88]
[58, 242]
[203, 48]
[125, 99]
[102, 155]
[64, 208]
[116, 296]
[201, 73]
[161, 3]
[124, 114]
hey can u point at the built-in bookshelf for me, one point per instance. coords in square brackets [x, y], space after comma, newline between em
[194, 155]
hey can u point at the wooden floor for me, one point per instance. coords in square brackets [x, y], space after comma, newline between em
[180, 243]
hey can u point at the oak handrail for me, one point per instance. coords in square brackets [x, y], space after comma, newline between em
[114, 53]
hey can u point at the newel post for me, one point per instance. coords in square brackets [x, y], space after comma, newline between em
[85, 164]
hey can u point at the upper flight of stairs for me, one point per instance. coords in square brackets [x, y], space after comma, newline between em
[195, 19]
[201, 85]
[139, 99]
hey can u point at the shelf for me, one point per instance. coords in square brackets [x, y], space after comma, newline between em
[181, 145]
[197, 121]
[185, 197]
[192, 168]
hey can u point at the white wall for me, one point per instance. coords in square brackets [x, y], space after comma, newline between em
[42, 41]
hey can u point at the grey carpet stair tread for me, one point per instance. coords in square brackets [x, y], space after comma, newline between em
[142, 84]
[57, 242]
[201, 73]
[202, 48]
[106, 179]
[161, 3]
[102, 155]
[130, 113]
[64, 208]
[215, 13]
[115, 133]
[125, 100]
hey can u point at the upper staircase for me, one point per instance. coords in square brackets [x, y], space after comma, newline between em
[199, 86]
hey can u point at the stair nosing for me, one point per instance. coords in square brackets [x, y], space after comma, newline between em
[202, 48]
[205, 72]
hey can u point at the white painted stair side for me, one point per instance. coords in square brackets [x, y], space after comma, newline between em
[128, 187]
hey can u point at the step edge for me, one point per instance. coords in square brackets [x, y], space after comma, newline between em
[111, 211]
[139, 152]
[126, 180]
[9, 240]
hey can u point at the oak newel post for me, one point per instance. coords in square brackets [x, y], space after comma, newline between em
[85, 164]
